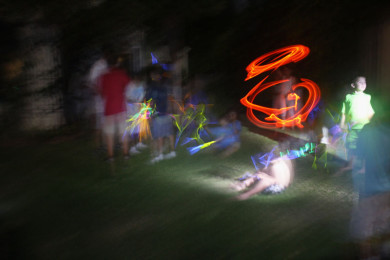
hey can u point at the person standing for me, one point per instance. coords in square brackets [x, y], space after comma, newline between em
[355, 113]
[113, 85]
[135, 95]
[97, 70]
[162, 126]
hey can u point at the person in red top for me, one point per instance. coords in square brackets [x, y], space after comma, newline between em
[113, 84]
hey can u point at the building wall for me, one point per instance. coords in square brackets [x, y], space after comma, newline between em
[42, 110]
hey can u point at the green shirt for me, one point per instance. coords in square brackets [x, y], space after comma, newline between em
[357, 109]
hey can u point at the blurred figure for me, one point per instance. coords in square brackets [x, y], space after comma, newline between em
[196, 94]
[281, 91]
[272, 180]
[135, 94]
[175, 94]
[113, 84]
[161, 123]
[97, 70]
[355, 113]
[228, 134]
[288, 74]
[370, 223]
[195, 103]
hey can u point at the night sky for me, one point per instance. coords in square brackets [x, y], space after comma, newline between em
[224, 35]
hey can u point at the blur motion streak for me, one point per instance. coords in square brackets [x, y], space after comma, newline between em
[192, 120]
[196, 149]
[140, 120]
[276, 59]
[293, 154]
[262, 160]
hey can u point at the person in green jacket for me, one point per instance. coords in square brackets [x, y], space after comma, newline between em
[355, 113]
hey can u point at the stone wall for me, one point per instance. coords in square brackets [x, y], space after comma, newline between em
[42, 105]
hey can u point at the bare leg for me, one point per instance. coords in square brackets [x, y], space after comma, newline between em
[362, 170]
[348, 167]
[160, 145]
[132, 140]
[172, 142]
[241, 185]
[125, 145]
[110, 145]
[265, 182]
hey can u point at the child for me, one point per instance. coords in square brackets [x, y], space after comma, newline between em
[113, 84]
[228, 135]
[161, 125]
[274, 179]
[135, 93]
[233, 139]
[355, 113]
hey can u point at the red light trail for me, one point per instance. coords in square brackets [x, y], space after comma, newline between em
[274, 60]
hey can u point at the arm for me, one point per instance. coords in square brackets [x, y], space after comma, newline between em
[342, 121]
[371, 111]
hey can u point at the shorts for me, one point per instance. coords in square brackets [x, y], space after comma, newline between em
[274, 189]
[351, 140]
[114, 122]
[162, 126]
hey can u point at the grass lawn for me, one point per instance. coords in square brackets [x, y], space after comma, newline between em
[58, 201]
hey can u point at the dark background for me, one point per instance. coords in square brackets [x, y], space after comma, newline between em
[224, 35]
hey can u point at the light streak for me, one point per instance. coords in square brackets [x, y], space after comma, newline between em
[293, 154]
[190, 116]
[141, 120]
[266, 158]
[165, 67]
[196, 149]
[154, 59]
[274, 60]
[323, 157]
[339, 136]
[192, 121]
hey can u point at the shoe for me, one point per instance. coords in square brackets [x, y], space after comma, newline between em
[170, 155]
[157, 159]
[141, 146]
[133, 150]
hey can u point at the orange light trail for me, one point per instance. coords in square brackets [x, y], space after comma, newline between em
[284, 56]
[276, 59]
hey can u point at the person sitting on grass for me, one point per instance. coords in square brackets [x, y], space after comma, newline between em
[227, 134]
[275, 178]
